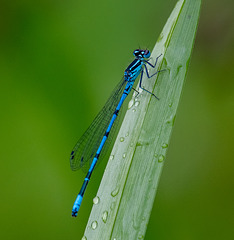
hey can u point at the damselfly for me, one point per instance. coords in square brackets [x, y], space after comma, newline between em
[90, 146]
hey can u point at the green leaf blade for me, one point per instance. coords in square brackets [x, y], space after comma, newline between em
[130, 181]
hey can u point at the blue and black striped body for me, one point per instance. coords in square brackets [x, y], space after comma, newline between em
[130, 75]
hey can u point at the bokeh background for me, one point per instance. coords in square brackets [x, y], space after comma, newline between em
[59, 61]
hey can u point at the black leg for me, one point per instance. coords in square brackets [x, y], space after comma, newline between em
[136, 91]
[144, 88]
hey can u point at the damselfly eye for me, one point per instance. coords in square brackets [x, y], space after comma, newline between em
[147, 54]
[136, 52]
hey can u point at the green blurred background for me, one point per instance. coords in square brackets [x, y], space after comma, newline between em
[59, 61]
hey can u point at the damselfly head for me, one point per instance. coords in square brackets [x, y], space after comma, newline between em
[139, 53]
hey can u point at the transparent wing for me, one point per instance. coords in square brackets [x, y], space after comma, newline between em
[86, 148]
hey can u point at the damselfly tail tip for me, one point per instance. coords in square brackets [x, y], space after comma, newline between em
[76, 205]
[74, 213]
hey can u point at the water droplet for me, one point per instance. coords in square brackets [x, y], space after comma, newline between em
[130, 104]
[150, 180]
[171, 121]
[160, 37]
[96, 200]
[141, 237]
[112, 205]
[134, 110]
[124, 155]
[94, 225]
[131, 145]
[114, 238]
[127, 133]
[136, 103]
[161, 158]
[121, 139]
[142, 143]
[104, 216]
[139, 144]
[84, 238]
[156, 155]
[111, 157]
[178, 69]
[165, 145]
[115, 192]
[170, 104]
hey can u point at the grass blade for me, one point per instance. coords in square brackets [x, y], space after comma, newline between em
[126, 195]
